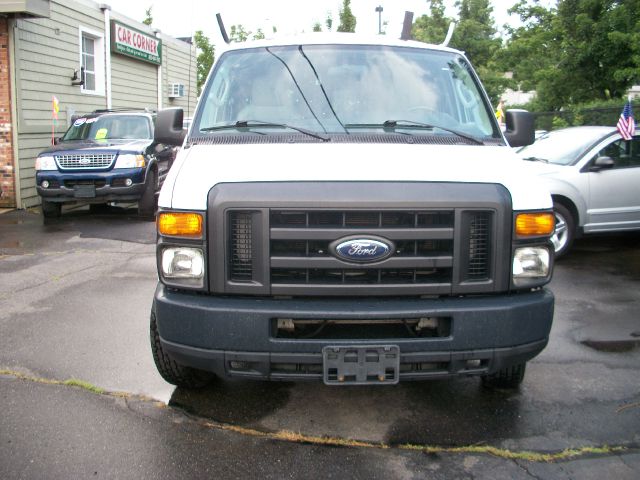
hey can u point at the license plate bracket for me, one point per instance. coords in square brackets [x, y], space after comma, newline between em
[84, 191]
[361, 365]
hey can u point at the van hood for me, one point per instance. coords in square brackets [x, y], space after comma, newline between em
[198, 168]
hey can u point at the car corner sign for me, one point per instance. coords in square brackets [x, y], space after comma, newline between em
[134, 43]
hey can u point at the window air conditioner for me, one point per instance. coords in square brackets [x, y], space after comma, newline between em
[176, 90]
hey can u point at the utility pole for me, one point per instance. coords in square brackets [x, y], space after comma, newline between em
[379, 9]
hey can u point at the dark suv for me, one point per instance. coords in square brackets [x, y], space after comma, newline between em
[105, 156]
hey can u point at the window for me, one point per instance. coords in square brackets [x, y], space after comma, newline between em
[92, 61]
[625, 153]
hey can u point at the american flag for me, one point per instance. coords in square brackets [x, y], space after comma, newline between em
[626, 124]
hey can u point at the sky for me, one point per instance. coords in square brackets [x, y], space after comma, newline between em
[288, 16]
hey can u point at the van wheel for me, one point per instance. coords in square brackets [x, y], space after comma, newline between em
[510, 377]
[565, 231]
[51, 209]
[147, 203]
[170, 370]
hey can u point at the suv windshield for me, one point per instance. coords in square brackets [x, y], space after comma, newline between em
[338, 89]
[108, 127]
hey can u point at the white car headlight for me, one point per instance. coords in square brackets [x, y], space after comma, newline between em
[530, 265]
[130, 161]
[183, 265]
[46, 163]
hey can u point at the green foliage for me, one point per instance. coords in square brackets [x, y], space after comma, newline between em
[347, 19]
[317, 27]
[148, 16]
[259, 35]
[599, 112]
[576, 52]
[476, 34]
[204, 60]
[432, 28]
[237, 33]
[329, 21]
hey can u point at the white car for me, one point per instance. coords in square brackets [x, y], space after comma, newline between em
[594, 178]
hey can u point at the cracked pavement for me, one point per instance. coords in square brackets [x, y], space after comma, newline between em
[75, 302]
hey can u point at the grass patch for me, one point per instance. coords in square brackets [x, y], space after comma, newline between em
[72, 382]
[288, 436]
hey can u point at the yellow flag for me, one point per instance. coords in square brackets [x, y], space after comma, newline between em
[55, 105]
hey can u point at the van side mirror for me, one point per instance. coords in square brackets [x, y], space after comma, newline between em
[602, 163]
[169, 129]
[520, 128]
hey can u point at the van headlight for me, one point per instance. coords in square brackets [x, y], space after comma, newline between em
[46, 163]
[183, 266]
[531, 266]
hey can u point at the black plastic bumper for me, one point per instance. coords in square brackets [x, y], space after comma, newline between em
[233, 336]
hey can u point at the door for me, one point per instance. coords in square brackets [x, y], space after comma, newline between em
[614, 193]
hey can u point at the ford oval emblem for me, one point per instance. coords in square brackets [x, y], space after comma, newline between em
[362, 249]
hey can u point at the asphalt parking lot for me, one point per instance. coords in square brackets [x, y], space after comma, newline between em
[74, 304]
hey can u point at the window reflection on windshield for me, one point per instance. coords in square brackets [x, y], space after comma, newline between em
[325, 88]
[109, 127]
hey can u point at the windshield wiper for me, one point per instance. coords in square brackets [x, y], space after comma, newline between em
[410, 124]
[261, 123]
[536, 159]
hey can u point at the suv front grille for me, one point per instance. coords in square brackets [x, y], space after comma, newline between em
[85, 160]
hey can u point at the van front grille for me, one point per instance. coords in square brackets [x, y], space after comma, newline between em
[293, 239]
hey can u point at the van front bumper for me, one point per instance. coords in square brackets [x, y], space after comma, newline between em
[235, 336]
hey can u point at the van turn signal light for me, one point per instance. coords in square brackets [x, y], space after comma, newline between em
[535, 224]
[180, 224]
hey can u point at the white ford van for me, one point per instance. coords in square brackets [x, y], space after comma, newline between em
[347, 210]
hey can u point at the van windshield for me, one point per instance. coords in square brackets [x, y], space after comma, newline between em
[346, 88]
[109, 127]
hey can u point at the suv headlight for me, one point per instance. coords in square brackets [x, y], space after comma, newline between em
[130, 161]
[185, 264]
[530, 265]
[46, 163]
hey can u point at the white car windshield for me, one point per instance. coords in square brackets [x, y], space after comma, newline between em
[346, 89]
[562, 147]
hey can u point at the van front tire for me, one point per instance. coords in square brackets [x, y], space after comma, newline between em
[170, 370]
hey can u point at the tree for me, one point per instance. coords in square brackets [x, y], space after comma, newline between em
[432, 28]
[237, 33]
[317, 27]
[347, 19]
[329, 21]
[148, 16]
[204, 60]
[579, 51]
[475, 34]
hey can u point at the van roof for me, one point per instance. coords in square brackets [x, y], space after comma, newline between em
[322, 38]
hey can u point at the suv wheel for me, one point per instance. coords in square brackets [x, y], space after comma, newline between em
[147, 203]
[51, 209]
[170, 370]
[510, 377]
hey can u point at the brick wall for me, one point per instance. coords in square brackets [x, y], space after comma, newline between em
[7, 176]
